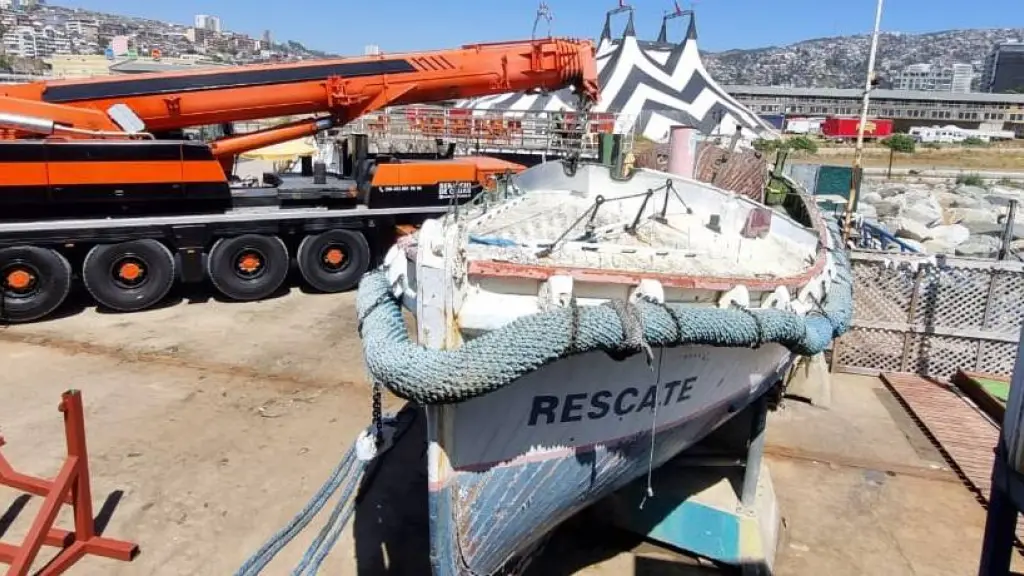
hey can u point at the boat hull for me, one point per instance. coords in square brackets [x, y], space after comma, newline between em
[507, 467]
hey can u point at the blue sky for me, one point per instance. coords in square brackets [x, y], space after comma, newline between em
[346, 26]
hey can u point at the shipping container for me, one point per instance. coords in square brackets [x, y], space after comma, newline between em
[774, 120]
[847, 127]
[804, 125]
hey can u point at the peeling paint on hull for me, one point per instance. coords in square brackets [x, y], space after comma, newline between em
[499, 484]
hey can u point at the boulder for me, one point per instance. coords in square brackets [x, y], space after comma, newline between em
[946, 199]
[984, 228]
[999, 200]
[951, 235]
[1007, 192]
[969, 202]
[925, 210]
[890, 207]
[870, 198]
[913, 230]
[867, 211]
[970, 191]
[979, 247]
[937, 246]
[890, 190]
[1018, 229]
[967, 216]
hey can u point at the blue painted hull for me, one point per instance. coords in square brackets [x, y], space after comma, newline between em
[483, 519]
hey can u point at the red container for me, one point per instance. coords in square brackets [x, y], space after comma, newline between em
[846, 127]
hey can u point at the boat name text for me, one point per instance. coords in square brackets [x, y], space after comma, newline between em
[574, 407]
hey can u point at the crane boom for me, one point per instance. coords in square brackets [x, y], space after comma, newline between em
[97, 178]
[338, 89]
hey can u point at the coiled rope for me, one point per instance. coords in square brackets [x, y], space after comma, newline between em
[349, 472]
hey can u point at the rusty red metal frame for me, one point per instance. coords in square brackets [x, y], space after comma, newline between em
[71, 486]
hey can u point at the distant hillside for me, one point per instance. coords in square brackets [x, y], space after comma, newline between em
[841, 62]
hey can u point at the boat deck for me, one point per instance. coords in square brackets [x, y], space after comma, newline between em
[683, 243]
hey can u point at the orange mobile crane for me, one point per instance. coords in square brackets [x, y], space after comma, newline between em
[96, 178]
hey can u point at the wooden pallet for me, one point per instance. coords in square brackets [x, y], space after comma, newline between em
[962, 432]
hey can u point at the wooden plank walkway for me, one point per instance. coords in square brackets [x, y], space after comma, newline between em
[964, 434]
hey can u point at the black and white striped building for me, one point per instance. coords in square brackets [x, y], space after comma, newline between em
[649, 86]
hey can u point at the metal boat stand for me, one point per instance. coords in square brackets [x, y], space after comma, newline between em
[71, 486]
[714, 500]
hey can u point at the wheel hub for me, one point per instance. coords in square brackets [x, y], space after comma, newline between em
[333, 258]
[19, 280]
[129, 272]
[249, 264]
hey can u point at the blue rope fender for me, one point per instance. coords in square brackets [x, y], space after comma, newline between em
[497, 358]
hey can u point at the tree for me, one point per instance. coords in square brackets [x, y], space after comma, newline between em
[765, 146]
[802, 143]
[898, 143]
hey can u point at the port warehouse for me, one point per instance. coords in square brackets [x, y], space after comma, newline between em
[977, 110]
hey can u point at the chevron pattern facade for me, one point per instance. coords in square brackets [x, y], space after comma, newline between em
[650, 86]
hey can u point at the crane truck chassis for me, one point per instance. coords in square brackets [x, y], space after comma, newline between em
[97, 181]
[333, 227]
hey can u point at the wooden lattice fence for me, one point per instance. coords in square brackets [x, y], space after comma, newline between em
[931, 319]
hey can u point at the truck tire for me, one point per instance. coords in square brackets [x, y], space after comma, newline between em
[35, 281]
[248, 267]
[129, 276]
[333, 261]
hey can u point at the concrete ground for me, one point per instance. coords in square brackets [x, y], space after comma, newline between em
[211, 423]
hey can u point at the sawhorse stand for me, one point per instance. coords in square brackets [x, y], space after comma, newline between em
[715, 500]
[71, 486]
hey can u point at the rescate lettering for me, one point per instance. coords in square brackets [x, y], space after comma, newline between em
[577, 406]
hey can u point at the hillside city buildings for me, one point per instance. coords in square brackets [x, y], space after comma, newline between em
[76, 41]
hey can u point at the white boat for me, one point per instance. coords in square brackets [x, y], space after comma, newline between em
[576, 330]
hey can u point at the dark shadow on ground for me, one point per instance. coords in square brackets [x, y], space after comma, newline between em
[391, 520]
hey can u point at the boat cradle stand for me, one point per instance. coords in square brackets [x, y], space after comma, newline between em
[714, 500]
[71, 486]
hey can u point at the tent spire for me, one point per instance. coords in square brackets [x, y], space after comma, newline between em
[630, 30]
[676, 13]
[606, 34]
[691, 32]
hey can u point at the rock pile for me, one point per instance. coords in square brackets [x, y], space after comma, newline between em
[943, 218]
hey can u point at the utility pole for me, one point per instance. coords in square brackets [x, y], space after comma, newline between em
[858, 155]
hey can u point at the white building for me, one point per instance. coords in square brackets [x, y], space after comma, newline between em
[963, 77]
[954, 134]
[207, 22]
[930, 78]
[21, 41]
